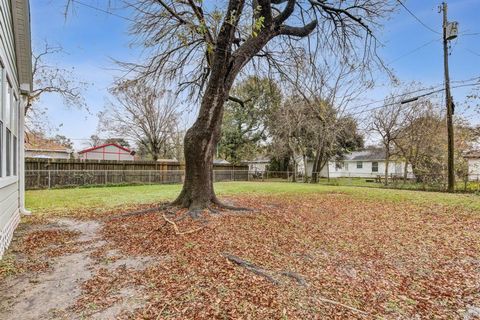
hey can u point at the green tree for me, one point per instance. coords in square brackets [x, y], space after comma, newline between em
[245, 119]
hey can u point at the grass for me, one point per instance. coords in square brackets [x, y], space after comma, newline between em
[44, 201]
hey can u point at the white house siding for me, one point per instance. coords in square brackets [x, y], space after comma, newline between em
[9, 204]
[473, 169]
[11, 112]
[349, 169]
[257, 166]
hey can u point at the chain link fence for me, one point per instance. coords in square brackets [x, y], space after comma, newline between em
[47, 179]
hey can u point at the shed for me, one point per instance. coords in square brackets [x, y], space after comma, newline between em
[109, 151]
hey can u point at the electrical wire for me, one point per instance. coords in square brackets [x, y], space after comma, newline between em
[417, 18]
[102, 10]
[420, 96]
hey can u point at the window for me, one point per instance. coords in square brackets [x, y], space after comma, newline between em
[8, 153]
[15, 161]
[14, 123]
[8, 105]
[374, 166]
[338, 165]
[359, 164]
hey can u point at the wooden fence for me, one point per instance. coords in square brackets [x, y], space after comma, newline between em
[58, 173]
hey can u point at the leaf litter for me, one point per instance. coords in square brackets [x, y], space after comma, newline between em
[356, 259]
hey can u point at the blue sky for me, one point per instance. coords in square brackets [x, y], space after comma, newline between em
[92, 38]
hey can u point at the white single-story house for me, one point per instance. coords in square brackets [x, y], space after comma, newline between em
[39, 147]
[473, 163]
[16, 84]
[109, 151]
[364, 164]
[257, 165]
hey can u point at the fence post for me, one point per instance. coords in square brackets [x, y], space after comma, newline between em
[49, 177]
[232, 175]
[149, 177]
[106, 175]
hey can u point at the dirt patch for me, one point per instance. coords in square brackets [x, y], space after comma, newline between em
[52, 293]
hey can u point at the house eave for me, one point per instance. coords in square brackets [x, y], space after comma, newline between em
[23, 47]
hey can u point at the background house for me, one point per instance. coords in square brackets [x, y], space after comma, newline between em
[364, 163]
[16, 83]
[109, 151]
[257, 165]
[40, 147]
[473, 163]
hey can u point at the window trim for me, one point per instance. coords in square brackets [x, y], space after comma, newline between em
[359, 164]
[8, 153]
[375, 162]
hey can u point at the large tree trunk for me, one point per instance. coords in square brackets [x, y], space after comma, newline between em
[199, 148]
[201, 139]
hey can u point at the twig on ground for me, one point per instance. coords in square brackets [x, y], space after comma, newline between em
[343, 305]
[175, 227]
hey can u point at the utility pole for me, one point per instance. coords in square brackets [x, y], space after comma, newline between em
[451, 164]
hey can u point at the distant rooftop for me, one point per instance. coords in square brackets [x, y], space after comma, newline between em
[35, 142]
[368, 154]
[220, 161]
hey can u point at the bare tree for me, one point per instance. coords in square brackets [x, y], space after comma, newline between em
[327, 91]
[49, 78]
[143, 115]
[204, 48]
[388, 122]
[291, 129]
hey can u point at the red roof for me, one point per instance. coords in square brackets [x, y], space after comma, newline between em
[106, 145]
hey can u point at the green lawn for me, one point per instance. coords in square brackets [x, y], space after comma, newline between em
[42, 201]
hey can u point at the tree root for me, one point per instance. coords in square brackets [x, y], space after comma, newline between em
[251, 267]
[297, 277]
[222, 205]
[269, 275]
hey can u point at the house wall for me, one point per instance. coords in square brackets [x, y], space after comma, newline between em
[107, 153]
[257, 166]
[473, 169]
[10, 119]
[350, 169]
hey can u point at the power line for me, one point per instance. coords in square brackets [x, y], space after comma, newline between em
[402, 95]
[473, 52]
[420, 90]
[417, 18]
[470, 34]
[414, 50]
[102, 10]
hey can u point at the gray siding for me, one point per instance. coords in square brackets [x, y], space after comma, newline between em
[9, 196]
